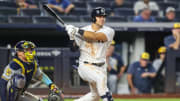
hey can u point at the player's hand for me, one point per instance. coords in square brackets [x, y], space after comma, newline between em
[144, 75]
[133, 90]
[71, 30]
[120, 75]
[55, 89]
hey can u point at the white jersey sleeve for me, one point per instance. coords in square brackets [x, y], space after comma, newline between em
[109, 33]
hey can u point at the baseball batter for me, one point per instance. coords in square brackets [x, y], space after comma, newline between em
[18, 75]
[93, 41]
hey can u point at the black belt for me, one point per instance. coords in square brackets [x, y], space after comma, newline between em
[96, 64]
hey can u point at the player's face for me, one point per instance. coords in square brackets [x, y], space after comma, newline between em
[143, 62]
[170, 15]
[146, 14]
[100, 20]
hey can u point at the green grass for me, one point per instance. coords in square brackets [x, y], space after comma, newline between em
[157, 99]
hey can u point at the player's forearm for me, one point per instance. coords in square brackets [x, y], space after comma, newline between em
[68, 9]
[129, 78]
[92, 36]
[3, 90]
[123, 68]
[152, 75]
[46, 80]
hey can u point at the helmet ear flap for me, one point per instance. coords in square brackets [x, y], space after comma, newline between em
[94, 19]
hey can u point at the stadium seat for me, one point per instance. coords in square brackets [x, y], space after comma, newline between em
[178, 14]
[99, 4]
[85, 18]
[70, 18]
[159, 19]
[8, 11]
[10, 4]
[3, 19]
[116, 19]
[155, 13]
[78, 12]
[123, 12]
[163, 5]
[30, 12]
[80, 5]
[43, 20]
[20, 19]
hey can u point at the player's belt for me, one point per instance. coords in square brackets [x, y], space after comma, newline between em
[96, 64]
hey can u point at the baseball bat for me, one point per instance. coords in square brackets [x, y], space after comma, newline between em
[53, 13]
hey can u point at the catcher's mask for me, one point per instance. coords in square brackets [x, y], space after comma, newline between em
[28, 48]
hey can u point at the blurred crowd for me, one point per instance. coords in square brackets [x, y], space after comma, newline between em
[143, 76]
[118, 10]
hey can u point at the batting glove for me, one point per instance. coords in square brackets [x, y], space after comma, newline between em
[71, 30]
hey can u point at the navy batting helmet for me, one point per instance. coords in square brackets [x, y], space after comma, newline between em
[99, 11]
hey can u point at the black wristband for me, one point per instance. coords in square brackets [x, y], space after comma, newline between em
[81, 32]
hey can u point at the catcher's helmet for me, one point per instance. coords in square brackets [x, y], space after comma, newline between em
[24, 46]
[99, 11]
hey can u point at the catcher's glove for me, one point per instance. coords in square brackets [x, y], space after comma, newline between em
[55, 93]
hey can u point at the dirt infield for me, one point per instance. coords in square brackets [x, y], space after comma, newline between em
[128, 96]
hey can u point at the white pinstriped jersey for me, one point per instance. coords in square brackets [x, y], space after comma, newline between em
[95, 52]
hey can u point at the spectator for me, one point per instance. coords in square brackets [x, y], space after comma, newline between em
[116, 4]
[173, 41]
[116, 68]
[158, 64]
[25, 4]
[145, 16]
[140, 75]
[139, 5]
[170, 15]
[63, 6]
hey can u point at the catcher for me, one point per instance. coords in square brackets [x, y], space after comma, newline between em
[18, 75]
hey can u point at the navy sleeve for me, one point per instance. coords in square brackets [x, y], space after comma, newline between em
[152, 69]
[120, 62]
[3, 89]
[168, 40]
[131, 69]
[14, 65]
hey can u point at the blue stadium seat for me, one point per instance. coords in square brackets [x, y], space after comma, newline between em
[155, 13]
[20, 19]
[85, 18]
[163, 5]
[99, 4]
[123, 12]
[30, 12]
[3, 19]
[78, 12]
[178, 14]
[43, 20]
[8, 11]
[10, 4]
[159, 19]
[82, 5]
[116, 19]
[70, 18]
